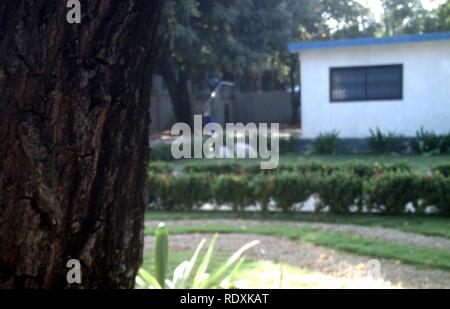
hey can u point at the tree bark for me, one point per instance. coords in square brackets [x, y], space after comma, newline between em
[295, 99]
[177, 85]
[74, 119]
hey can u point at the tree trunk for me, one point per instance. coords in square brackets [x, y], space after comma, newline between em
[74, 119]
[178, 89]
[295, 99]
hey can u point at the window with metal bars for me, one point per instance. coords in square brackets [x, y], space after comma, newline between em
[369, 83]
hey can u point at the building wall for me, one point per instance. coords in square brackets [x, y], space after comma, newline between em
[255, 107]
[263, 107]
[426, 93]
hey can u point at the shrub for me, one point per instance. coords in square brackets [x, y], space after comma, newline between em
[161, 152]
[183, 192]
[443, 170]
[387, 191]
[427, 142]
[339, 192]
[289, 189]
[221, 168]
[444, 205]
[316, 168]
[162, 191]
[288, 146]
[445, 147]
[191, 190]
[326, 143]
[381, 143]
[390, 193]
[430, 192]
[363, 170]
[233, 190]
[262, 190]
[160, 168]
[376, 169]
[153, 189]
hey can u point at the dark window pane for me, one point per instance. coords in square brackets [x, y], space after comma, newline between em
[384, 83]
[367, 83]
[348, 85]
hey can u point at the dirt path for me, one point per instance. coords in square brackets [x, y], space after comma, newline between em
[386, 234]
[316, 259]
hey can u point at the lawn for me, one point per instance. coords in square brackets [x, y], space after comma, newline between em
[429, 226]
[418, 162]
[408, 254]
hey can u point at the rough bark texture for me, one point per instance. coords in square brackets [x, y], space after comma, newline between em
[74, 140]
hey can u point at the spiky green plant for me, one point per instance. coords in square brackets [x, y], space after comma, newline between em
[190, 274]
[381, 143]
[326, 143]
[161, 253]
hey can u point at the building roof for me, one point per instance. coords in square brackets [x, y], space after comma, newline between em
[437, 36]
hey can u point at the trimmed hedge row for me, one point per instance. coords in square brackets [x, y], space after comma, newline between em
[339, 192]
[443, 170]
[358, 169]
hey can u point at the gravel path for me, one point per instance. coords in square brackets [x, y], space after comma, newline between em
[386, 234]
[317, 259]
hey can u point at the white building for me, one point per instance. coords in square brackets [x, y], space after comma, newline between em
[397, 84]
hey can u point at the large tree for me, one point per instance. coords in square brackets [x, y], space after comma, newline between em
[224, 38]
[439, 19]
[403, 16]
[443, 15]
[74, 140]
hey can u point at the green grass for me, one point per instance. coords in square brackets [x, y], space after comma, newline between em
[419, 256]
[419, 163]
[429, 226]
[255, 274]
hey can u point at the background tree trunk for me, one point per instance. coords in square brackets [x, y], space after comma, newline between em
[295, 96]
[74, 119]
[177, 86]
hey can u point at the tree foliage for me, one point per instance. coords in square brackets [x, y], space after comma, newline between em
[245, 40]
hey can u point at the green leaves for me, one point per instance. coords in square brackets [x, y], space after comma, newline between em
[381, 143]
[190, 274]
[339, 192]
[161, 253]
[144, 280]
[339, 188]
[233, 190]
[430, 143]
[326, 143]
[219, 277]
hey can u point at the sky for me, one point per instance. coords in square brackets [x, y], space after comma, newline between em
[375, 5]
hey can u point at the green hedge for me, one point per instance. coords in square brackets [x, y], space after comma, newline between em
[443, 170]
[187, 192]
[341, 192]
[391, 193]
[359, 169]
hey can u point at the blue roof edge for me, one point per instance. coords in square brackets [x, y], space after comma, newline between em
[412, 38]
